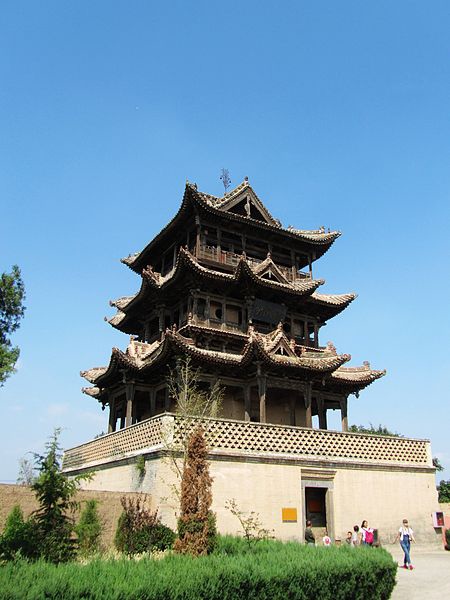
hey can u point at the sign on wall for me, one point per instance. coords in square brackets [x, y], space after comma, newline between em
[289, 515]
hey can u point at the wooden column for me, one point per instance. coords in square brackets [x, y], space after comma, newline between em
[307, 397]
[305, 332]
[344, 417]
[112, 416]
[316, 335]
[292, 404]
[207, 309]
[129, 391]
[152, 394]
[219, 240]
[322, 412]
[198, 240]
[310, 265]
[161, 309]
[247, 402]
[262, 388]
[174, 254]
[166, 399]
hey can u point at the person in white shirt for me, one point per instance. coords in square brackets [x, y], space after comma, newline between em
[406, 536]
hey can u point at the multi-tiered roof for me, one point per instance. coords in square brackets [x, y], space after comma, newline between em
[224, 283]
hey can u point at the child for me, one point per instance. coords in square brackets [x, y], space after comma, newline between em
[326, 540]
[355, 536]
[348, 539]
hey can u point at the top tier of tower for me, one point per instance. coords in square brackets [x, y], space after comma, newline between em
[217, 231]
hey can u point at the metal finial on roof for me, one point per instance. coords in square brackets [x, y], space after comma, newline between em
[226, 180]
[246, 178]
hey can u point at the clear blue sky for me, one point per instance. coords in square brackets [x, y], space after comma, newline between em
[339, 114]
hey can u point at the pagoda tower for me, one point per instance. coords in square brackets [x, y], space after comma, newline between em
[226, 285]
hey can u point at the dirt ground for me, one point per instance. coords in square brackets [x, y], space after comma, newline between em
[109, 506]
[430, 579]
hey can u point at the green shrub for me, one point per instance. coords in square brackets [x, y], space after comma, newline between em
[89, 528]
[269, 570]
[140, 530]
[18, 537]
[447, 539]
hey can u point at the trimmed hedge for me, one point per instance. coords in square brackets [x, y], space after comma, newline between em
[271, 571]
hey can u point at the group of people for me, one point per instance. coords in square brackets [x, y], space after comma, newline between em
[364, 536]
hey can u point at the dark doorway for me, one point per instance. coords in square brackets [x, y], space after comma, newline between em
[316, 506]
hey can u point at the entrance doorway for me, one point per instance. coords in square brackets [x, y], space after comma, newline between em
[315, 504]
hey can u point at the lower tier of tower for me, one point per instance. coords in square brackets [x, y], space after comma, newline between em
[284, 474]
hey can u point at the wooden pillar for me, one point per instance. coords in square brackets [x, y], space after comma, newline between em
[174, 254]
[147, 331]
[129, 391]
[249, 304]
[307, 397]
[247, 402]
[161, 310]
[344, 417]
[207, 309]
[292, 404]
[305, 332]
[198, 240]
[152, 394]
[316, 335]
[219, 240]
[112, 416]
[322, 412]
[262, 388]
[310, 265]
[166, 399]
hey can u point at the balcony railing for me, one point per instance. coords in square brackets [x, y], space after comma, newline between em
[241, 438]
[231, 259]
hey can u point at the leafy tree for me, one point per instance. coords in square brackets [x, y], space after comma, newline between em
[12, 296]
[55, 494]
[89, 528]
[196, 525]
[380, 430]
[252, 529]
[444, 491]
[26, 474]
[18, 536]
[193, 404]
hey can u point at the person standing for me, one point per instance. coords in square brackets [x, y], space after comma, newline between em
[406, 536]
[355, 536]
[326, 540]
[366, 534]
[309, 535]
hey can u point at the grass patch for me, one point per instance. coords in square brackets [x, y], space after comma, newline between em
[269, 570]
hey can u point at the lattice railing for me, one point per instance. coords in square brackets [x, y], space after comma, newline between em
[239, 437]
[147, 434]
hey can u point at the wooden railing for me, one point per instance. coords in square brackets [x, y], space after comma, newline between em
[231, 259]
